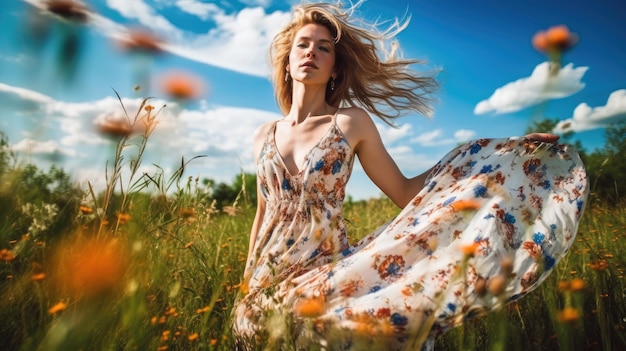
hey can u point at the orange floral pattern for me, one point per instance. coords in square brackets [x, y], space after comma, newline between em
[514, 201]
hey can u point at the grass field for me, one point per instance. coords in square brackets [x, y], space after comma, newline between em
[152, 265]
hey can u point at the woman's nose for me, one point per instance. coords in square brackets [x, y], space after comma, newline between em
[310, 53]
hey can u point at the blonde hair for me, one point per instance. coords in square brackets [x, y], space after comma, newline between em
[368, 75]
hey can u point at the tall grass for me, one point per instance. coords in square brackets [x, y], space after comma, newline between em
[150, 263]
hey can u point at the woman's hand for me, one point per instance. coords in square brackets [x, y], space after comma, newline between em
[543, 137]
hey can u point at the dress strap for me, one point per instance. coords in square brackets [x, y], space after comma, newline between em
[334, 120]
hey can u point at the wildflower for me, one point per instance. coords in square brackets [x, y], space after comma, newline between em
[113, 126]
[85, 209]
[310, 308]
[181, 85]
[203, 310]
[70, 10]
[6, 255]
[465, 205]
[58, 307]
[91, 267]
[37, 277]
[480, 286]
[470, 250]
[193, 337]
[123, 218]
[599, 265]
[497, 285]
[568, 315]
[555, 39]
[142, 41]
[213, 342]
[577, 285]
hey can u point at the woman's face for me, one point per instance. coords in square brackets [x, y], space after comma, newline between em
[312, 56]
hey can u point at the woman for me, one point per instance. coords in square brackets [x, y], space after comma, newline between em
[493, 210]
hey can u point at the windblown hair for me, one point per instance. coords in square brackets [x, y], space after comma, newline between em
[370, 73]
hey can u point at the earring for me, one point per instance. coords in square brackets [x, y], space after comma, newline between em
[332, 84]
[286, 76]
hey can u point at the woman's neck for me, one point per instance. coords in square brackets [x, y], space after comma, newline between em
[309, 101]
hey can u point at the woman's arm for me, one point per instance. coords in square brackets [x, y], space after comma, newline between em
[378, 164]
[367, 144]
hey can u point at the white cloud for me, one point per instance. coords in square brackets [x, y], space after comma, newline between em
[533, 90]
[262, 3]
[586, 117]
[436, 138]
[197, 8]
[240, 41]
[390, 134]
[221, 133]
[46, 148]
[463, 135]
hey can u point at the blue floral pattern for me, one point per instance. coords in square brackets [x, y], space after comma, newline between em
[491, 209]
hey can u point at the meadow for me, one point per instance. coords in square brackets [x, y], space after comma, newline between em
[153, 263]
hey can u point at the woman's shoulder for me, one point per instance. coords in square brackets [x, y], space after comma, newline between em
[355, 118]
[263, 129]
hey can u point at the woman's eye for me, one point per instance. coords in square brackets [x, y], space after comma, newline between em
[323, 48]
[301, 45]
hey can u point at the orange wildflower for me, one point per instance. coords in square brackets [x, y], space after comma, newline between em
[85, 209]
[310, 308]
[37, 277]
[6, 255]
[182, 85]
[599, 265]
[58, 307]
[193, 337]
[465, 205]
[470, 250]
[497, 285]
[568, 315]
[114, 127]
[140, 40]
[91, 267]
[70, 10]
[577, 285]
[555, 39]
[123, 218]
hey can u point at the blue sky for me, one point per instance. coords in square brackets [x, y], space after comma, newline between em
[493, 81]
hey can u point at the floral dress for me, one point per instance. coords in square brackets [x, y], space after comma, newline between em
[491, 222]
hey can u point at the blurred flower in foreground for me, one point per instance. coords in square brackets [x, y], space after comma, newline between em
[113, 125]
[181, 85]
[58, 23]
[58, 307]
[90, 267]
[70, 10]
[141, 41]
[568, 315]
[310, 308]
[6, 255]
[554, 42]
